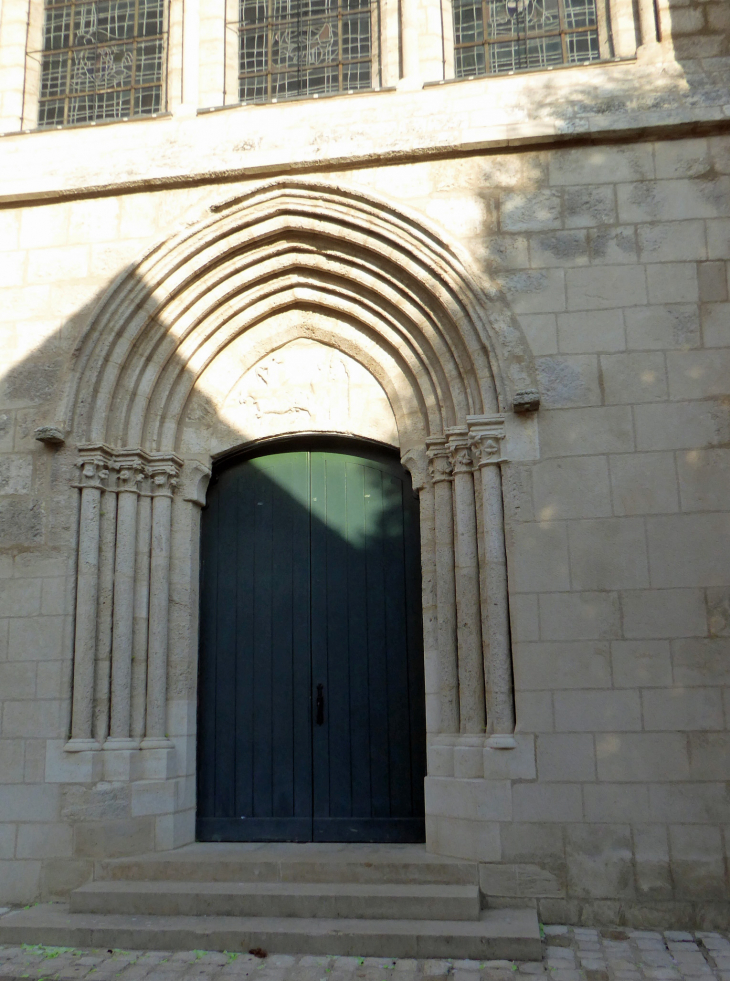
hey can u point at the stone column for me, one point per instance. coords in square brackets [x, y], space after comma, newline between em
[410, 16]
[623, 28]
[468, 603]
[141, 610]
[130, 473]
[486, 435]
[164, 472]
[647, 22]
[94, 468]
[440, 472]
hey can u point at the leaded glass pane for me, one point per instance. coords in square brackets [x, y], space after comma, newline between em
[493, 36]
[297, 48]
[101, 60]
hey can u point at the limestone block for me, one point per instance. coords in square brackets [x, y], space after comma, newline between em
[704, 480]
[597, 711]
[60, 875]
[468, 753]
[579, 616]
[608, 553]
[39, 718]
[10, 230]
[674, 200]
[535, 290]
[681, 158]
[19, 880]
[513, 764]
[99, 802]
[7, 840]
[44, 226]
[537, 554]
[682, 709]
[716, 325]
[45, 564]
[153, 797]
[43, 840]
[718, 611]
[600, 861]
[588, 205]
[36, 638]
[641, 664]
[601, 165]
[718, 238]
[556, 802]
[688, 549]
[54, 597]
[664, 613]
[684, 425]
[58, 265]
[34, 770]
[672, 242]
[689, 803]
[18, 801]
[672, 282]
[571, 432]
[541, 332]
[559, 488]
[536, 210]
[709, 755]
[545, 666]
[566, 757]
[644, 483]
[475, 840]
[534, 843]
[469, 800]
[460, 215]
[534, 711]
[559, 248]
[507, 252]
[11, 760]
[115, 838]
[12, 269]
[440, 760]
[17, 680]
[633, 378]
[122, 765]
[597, 331]
[699, 662]
[568, 380]
[642, 757]
[662, 327]
[698, 866]
[615, 803]
[21, 522]
[517, 881]
[174, 830]
[94, 220]
[20, 597]
[605, 287]
[712, 281]
[524, 617]
[651, 861]
[612, 246]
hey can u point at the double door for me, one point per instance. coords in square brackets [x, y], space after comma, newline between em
[311, 694]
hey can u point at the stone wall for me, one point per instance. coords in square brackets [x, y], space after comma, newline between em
[614, 257]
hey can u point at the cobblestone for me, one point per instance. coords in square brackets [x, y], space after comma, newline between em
[569, 954]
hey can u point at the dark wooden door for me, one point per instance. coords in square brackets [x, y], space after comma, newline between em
[311, 696]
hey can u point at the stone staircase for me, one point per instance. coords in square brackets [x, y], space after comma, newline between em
[366, 900]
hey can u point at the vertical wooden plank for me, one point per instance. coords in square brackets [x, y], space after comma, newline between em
[225, 699]
[320, 745]
[357, 627]
[207, 655]
[262, 645]
[244, 682]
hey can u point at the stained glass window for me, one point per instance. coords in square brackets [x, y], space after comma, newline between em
[293, 48]
[102, 60]
[493, 36]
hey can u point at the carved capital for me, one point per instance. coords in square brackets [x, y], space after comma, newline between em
[94, 464]
[164, 471]
[486, 434]
[131, 470]
[439, 462]
[196, 477]
[414, 460]
[459, 450]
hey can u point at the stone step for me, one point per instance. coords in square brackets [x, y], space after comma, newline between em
[511, 934]
[280, 899]
[289, 862]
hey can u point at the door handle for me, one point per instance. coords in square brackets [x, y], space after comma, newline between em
[320, 705]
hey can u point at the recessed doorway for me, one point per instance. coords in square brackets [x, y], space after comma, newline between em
[311, 689]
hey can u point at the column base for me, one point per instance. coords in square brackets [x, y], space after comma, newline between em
[81, 746]
[501, 740]
[119, 742]
[156, 742]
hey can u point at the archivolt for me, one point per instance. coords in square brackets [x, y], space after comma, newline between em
[284, 244]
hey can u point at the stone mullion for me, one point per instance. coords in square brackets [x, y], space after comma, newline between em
[486, 436]
[94, 471]
[130, 472]
[468, 603]
[164, 473]
[441, 477]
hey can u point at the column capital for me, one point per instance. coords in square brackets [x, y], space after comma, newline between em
[486, 434]
[460, 449]
[131, 470]
[94, 463]
[164, 471]
[415, 462]
[439, 463]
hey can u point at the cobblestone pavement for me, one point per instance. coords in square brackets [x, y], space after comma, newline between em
[570, 954]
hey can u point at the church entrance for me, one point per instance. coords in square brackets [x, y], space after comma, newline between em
[311, 691]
